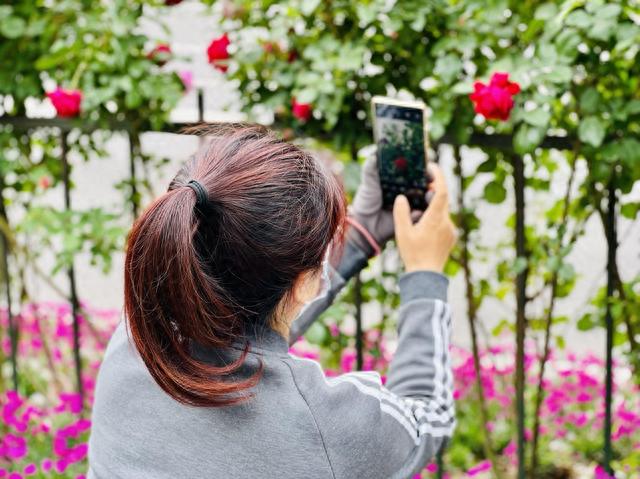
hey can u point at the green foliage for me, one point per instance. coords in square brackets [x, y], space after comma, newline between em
[95, 47]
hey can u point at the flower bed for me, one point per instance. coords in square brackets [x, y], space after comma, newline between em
[45, 436]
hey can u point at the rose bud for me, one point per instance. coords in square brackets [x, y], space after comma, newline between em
[160, 54]
[218, 53]
[66, 102]
[302, 111]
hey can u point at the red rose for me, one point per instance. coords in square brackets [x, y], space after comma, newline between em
[302, 111]
[495, 100]
[160, 54]
[170, 3]
[66, 102]
[400, 163]
[217, 52]
[292, 56]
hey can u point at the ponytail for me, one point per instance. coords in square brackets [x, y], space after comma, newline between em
[169, 298]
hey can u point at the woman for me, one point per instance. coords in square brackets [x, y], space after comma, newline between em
[198, 382]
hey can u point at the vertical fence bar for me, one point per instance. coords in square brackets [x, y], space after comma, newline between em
[75, 307]
[521, 280]
[440, 462]
[357, 296]
[134, 148]
[200, 105]
[357, 299]
[13, 326]
[612, 245]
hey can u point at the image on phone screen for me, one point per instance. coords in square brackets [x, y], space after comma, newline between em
[399, 132]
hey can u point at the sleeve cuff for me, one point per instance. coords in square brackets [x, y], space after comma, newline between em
[353, 260]
[423, 285]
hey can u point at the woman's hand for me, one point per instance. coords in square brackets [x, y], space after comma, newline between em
[426, 244]
[367, 210]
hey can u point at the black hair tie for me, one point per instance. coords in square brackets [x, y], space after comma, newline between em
[202, 198]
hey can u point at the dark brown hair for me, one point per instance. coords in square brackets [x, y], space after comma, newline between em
[207, 276]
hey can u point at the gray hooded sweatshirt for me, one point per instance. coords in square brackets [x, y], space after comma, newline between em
[300, 423]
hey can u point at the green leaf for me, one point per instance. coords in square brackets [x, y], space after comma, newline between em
[462, 88]
[592, 130]
[632, 108]
[537, 117]
[626, 150]
[495, 192]
[488, 165]
[590, 100]
[448, 67]
[307, 95]
[316, 334]
[578, 18]
[527, 138]
[519, 265]
[560, 74]
[630, 210]
[602, 28]
[12, 27]
[546, 11]
[308, 6]
[609, 11]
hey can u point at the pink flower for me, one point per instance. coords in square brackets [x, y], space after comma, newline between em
[495, 100]
[66, 102]
[61, 465]
[187, 79]
[61, 448]
[71, 402]
[30, 469]
[583, 397]
[218, 53]
[44, 182]
[478, 468]
[302, 111]
[14, 446]
[600, 473]
[46, 465]
[347, 361]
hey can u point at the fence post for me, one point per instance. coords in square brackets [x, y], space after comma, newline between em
[357, 299]
[13, 326]
[612, 245]
[71, 271]
[134, 148]
[521, 300]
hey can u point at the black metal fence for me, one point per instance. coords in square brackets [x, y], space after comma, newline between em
[502, 142]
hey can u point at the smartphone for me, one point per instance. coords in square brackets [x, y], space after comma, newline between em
[400, 133]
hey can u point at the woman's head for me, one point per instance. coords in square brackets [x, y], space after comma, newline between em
[246, 260]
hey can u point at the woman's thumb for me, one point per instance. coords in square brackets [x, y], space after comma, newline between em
[402, 215]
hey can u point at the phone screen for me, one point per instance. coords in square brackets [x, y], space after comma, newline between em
[401, 153]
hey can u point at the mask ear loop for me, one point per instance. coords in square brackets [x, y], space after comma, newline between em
[326, 273]
[325, 281]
